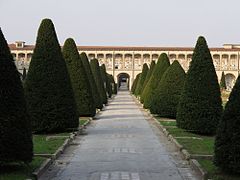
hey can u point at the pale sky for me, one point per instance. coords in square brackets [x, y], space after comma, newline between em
[125, 22]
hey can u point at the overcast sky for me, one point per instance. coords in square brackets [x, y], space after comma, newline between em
[125, 22]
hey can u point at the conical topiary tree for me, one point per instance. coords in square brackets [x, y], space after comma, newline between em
[104, 76]
[169, 91]
[115, 89]
[98, 79]
[134, 84]
[24, 75]
[48, 89]
[223, 82]
[79, 80]
[15, 126]
[114, 85]
[95, 92]
[200, 105]
[227, 140]
[109, 85]
[149, 74]
[161, 66]
[142, 79]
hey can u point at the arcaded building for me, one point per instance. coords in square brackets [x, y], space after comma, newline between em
[127, 62]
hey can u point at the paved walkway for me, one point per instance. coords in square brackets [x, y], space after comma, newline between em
[123, 144]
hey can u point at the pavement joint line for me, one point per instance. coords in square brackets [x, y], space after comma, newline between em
[185, 154]
[91, 165]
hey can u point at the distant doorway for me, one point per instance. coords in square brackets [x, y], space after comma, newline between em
[123, 81]
[230, 81]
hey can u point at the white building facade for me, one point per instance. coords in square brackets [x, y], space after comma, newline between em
[128, 61]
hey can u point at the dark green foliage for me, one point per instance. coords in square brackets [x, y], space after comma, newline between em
[95, 92]
[79, 80]
[169, 91]
[104, 76]
[223, 82]
[134, 84]
[161, 66]
[227, 148]
[115, 90]
[200, 105]
[109, 85]
[48, 89]
[24, 75]
[149, 74]
[15, 126]
[141, 81]
[113, 84]
[98, 79]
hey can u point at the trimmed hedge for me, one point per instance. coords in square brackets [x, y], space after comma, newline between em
[134, 84]
[24, 75]
[104, 76]
[94, 90]
[169, 91]
[79, 80]
[48, 89]
[109, 85]
[200, 106]
[140, 83]
[223, 82]
[161, 66]
[227, 141]
[98, 79]
[15, 125]
[149, 74]
[114, 85]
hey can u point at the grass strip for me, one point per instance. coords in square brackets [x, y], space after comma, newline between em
[44, 145]
[17, 171]
[83, 121]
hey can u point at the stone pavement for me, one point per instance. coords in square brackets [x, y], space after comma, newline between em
[123, 144]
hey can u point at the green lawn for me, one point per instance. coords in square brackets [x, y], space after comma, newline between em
[177, 132]
[83, 121]
[168, 123]
[197, 144]
[16, 171]
[213, 171]
[202, 146]
[42, 145]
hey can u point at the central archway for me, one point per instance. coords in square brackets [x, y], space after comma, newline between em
[123, 81]
[230, 81]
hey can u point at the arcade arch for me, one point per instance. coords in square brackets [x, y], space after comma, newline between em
[123, 80]
[230, 81]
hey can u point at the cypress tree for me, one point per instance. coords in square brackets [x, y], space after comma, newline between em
[113, 84]
[24, 75]
[149, 74]
[98, 79]
[109, 85]
[142, 79]
[115, 90]
[48, 89]
[104, 76]
[161, 66]
[169, 91]
[134, 84]
[223, 82]
[200, 105]
[95, 92]
[227, 140]
[15, 126]
[79, 80]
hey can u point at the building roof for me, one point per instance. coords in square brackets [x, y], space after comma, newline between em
[127, 48]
